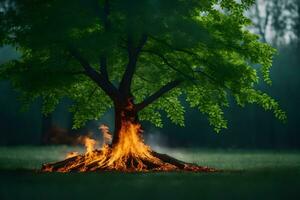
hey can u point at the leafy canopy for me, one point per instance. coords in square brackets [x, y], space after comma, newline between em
[202, 44]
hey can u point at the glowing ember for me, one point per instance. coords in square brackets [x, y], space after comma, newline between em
[129, 154]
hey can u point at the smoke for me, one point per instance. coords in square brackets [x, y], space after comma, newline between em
[156, 139]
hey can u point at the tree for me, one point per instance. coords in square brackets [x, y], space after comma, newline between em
[139, 57]
[275, 20]
[297, 24]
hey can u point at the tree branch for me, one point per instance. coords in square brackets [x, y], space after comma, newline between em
[196, 56]
[268, 12]
[260, 24]
[163, 90]
[106, 14]
[133, 53]
[144, 79]
[165, 60]
[103, 67]
[192, 79]
[107, 26]
[98, 78]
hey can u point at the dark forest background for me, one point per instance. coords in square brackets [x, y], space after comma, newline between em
[278, 23]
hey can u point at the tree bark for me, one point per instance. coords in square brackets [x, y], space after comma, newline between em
[124, 112]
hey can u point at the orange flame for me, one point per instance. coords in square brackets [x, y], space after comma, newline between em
[89, 145]
[129, 154]
[130, 146]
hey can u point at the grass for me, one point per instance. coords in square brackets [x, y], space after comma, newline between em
[246, 175]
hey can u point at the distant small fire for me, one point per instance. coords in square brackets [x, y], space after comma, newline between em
[130, 154]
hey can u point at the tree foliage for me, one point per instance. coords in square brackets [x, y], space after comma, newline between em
[199, 51]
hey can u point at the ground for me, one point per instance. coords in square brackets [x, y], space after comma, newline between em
[246, 175]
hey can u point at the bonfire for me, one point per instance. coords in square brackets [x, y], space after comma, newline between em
[128, 154]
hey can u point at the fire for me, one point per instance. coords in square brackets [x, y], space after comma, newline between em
[129, 154]
[107, 138]
[89, 145]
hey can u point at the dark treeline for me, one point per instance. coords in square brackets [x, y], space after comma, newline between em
[277, 21]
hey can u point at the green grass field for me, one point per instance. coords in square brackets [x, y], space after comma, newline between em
[246, 175]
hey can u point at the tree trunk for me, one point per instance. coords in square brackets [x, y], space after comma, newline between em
[47, 125]
[123, 113]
